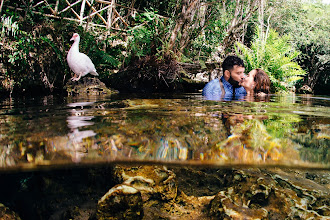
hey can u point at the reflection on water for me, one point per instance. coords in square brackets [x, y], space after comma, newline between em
[287, 130]
[171, 150]
[79, 119]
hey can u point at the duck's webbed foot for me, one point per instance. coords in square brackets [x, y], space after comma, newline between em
[76, 78]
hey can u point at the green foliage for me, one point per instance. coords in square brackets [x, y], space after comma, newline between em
[8, 26]
[32, 59]
[312, 39]
[36, 59]
[104, 56]
[208, 39]
[34, 44]
[308, 23]
[26, 61]
[148, 37]
[275, 55]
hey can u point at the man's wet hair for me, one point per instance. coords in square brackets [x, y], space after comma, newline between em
[231, 61]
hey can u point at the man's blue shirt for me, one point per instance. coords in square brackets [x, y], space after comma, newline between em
[212, 91]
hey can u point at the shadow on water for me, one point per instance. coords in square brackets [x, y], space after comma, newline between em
[59, 156]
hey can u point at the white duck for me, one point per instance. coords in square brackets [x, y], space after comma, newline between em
[78, 62]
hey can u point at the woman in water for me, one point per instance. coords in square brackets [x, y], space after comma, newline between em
[257, 83]
[257, 86]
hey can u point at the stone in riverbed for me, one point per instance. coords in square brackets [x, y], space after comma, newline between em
[7, 214]
[142, 188]
[271, 195]
[88, 86]
[152, 181]
[120, 202]
[241, 194]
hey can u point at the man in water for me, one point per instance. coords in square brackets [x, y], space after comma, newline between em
[229, 86]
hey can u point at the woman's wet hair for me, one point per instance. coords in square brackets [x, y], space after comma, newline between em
[262, 82]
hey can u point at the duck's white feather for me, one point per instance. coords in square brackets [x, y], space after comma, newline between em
[78, 62]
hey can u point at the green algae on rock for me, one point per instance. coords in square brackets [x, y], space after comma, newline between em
[88, 86]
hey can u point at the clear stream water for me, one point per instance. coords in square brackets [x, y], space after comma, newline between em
[46, 132]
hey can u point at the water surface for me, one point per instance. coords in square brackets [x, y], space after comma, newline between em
[290, 131]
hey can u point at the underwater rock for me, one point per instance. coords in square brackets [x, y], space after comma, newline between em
[241, 194]
[139, 185]
[157, 192]
[160, 195]
[88, 86]
[151, 181]
[7, 214]
[271, 194]
[121, 202]
[76, 213]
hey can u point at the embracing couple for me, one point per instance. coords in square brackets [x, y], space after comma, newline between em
[234, 84]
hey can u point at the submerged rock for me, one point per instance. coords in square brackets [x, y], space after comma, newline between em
[88, 86]
[242, 194]
[157, 192]
[7, 214]
[152, 181]
[274, 194]
[120, 202]
[140, 187]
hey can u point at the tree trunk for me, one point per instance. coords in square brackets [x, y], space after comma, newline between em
[313, 74]
[182, 25]
[261, 18]
[1, 4]
[237, 23]
[197, 22]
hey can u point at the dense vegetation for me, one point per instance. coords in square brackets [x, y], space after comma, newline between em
[287, 38]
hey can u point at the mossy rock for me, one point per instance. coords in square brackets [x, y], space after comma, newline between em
[88, 86]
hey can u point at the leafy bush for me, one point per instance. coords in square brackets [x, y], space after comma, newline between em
[275, 55]
[147, 38]
[33, 57]
[104, 54]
